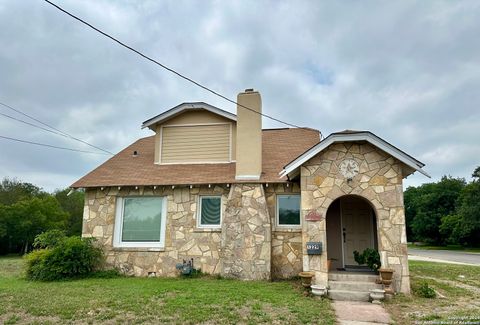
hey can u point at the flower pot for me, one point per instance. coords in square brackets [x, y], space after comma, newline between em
[377, 295]
[318, 290]
[386, 276]
[306, 278]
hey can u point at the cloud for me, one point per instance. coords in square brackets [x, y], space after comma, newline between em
[408, 71]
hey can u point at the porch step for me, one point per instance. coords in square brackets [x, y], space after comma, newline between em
[354, 286]
[352, 277]
[349, 295]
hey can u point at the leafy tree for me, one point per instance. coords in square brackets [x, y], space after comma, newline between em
[73, 205]
[427, 204]
[446, 212]
[13, 190]
[469, 210]
[26, 219]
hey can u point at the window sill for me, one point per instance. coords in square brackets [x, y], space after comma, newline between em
[287, 229]
[139, 249]
[207, 230]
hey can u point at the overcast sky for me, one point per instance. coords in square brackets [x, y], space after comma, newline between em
[409, 71]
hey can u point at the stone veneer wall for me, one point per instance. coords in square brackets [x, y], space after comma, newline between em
[286, 243]
[246, 234]
[379, 181]
[182, 239]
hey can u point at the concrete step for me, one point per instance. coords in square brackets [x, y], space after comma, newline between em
[353, 285]
[348, 295]
[352, 277]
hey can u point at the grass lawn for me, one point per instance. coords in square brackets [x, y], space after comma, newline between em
[459, 286]
[154, 300]
[448, 248]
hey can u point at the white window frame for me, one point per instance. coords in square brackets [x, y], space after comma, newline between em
[117, 236]
[199, 212]
[277, 215]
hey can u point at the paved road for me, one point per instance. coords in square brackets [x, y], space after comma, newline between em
[444, 255]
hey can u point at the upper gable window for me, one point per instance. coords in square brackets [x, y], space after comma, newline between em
[196, 143]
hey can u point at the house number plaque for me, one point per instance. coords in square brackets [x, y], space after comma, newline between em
[314, 248]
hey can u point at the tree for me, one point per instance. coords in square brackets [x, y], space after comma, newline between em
[469, 210]
[13, 190]
[427, 204]
[73, 205]
[26, 219]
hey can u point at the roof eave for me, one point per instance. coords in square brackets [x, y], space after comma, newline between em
[352, 137]
[185, 107]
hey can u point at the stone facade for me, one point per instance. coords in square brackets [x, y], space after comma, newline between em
[249, 244]
[183, 240]
[246, 234]
[379, 181]
[286, 242]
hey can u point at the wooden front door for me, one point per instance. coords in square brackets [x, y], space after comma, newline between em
[357, 228]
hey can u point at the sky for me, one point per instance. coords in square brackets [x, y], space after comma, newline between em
[409, 71]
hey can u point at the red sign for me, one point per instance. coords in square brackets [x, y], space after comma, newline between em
[313, 216]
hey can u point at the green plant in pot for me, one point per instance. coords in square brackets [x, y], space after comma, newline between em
[370, 257]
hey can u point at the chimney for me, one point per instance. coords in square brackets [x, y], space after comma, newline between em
[249, 136]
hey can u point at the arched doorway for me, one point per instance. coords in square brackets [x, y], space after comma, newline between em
[351, 226]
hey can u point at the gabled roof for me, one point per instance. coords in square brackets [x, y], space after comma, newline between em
[179, 109]
[279, 146]
[353, 136]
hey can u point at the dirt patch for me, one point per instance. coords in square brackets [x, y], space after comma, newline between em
[21, 318]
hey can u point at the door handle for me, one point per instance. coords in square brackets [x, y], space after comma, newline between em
[344, 235]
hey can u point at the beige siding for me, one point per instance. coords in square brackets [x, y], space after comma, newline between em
[195, 143]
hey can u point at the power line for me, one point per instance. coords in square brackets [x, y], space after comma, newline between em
[59, 132]
[168, 68]
[31, 124]
[50, 146]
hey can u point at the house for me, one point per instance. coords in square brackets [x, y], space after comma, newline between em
[244, 202]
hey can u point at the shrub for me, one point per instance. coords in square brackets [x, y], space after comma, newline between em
[49, 239]
[69, 258]
[425, 291]
[370, 257]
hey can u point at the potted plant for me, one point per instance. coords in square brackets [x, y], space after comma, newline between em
[306, 277]
[386, 276]
[370, 257]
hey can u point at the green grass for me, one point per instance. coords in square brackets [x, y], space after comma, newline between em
[460, 296]
[154, 300]
[448, 248]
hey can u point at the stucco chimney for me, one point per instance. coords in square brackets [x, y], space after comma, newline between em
[249, 136]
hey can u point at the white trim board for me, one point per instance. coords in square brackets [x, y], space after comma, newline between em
[187, 107]
[354, 137]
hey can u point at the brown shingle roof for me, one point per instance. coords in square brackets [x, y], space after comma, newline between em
[280, 146]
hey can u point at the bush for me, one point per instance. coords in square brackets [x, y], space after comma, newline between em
[425, 291]
[370, 257]
[49, 239]
[71, 257]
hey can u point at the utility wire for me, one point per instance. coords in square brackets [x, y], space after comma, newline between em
[50, 146]
[31, 124]
[167, 68]
[59, 132]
